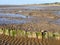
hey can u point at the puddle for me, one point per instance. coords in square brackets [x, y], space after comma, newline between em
[7, 21]
[14, 15]
[56, 22]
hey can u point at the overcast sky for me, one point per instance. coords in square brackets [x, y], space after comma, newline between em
[18, 2]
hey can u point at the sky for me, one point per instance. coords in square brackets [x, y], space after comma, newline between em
[18, 2]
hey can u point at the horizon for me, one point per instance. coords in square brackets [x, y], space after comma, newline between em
[23, 2]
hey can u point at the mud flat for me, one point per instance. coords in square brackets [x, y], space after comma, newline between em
[31, 17]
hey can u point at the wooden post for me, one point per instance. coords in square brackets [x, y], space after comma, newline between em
[3, 31]
[26, 33]
[43, 36]
[9, 31]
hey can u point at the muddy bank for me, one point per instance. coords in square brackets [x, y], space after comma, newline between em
[33, 26]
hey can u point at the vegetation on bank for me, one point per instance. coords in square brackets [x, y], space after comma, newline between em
[39, 35]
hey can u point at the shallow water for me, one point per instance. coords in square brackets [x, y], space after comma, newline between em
[13, 15]
[57, 21]
[58, 14]
[13, 21]
[5, 20]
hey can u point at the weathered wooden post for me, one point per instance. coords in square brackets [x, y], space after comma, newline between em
[3, 31]
[43, 36]
[26, 33]
[9, 31]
